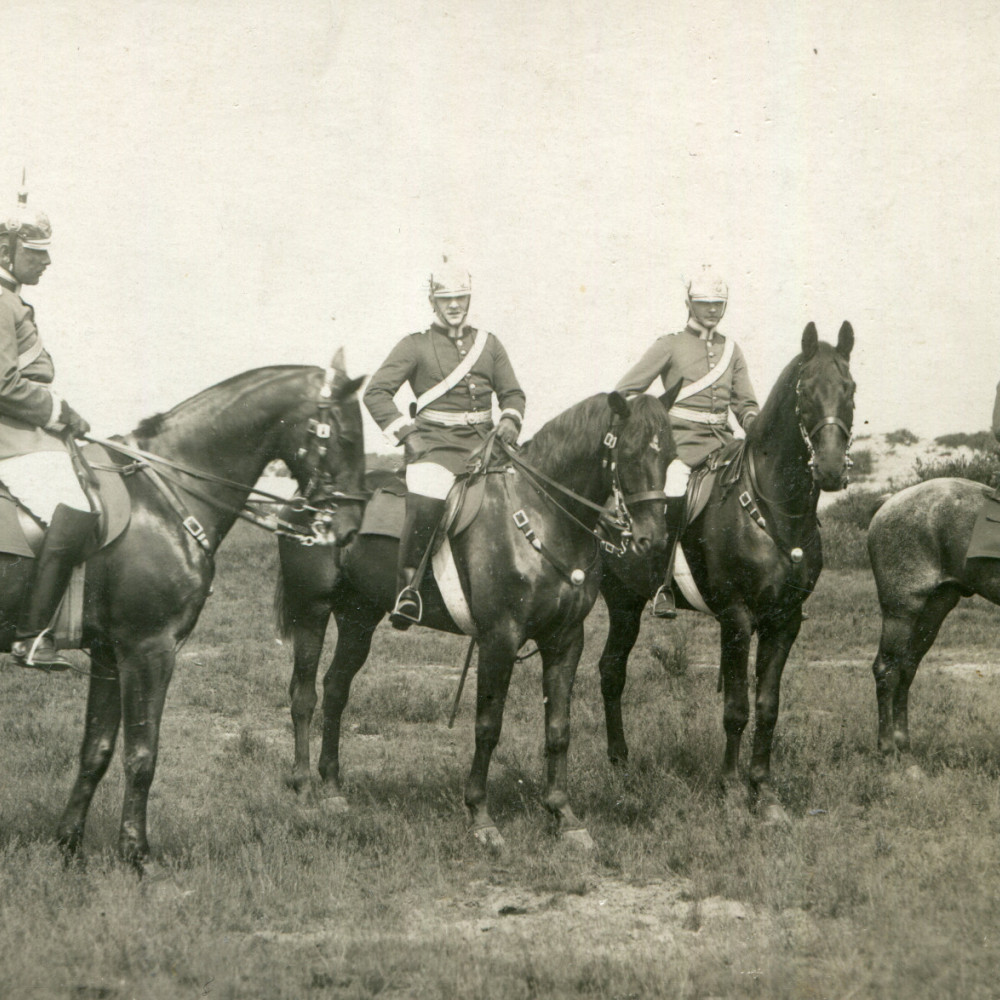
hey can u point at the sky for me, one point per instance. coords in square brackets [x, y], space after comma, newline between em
[249, 183]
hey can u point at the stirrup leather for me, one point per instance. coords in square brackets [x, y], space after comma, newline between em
[409, 606]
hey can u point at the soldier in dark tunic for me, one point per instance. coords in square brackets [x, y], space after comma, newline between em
[714, 380]
[35, 465]
[454, 370]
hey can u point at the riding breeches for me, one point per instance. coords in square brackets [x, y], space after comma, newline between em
[678, 474]
[41, 480]
[429, 479]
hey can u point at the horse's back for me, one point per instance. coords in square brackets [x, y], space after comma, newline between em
[918, 538]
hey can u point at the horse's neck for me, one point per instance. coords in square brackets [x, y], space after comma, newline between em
[579, 472]
[233, 438]
[781, 467]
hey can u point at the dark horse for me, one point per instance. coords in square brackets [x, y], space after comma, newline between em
[917, 543]
[754, 577]
[515, 592]
[144, 592]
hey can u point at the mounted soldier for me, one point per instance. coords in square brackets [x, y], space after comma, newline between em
[35, 465]
[714, 380]
[454, 370]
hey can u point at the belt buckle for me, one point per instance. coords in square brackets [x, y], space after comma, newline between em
[520, 518]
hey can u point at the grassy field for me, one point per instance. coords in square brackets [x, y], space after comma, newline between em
[886, 884]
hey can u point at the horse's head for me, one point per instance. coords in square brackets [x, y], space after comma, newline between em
[326, 453]
[641, 447]
[825, 405]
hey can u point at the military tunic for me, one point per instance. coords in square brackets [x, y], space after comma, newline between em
[689, 356]
[425, 359]
[28, 404]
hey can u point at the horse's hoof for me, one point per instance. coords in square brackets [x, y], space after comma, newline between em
[334, 805]
[578, 839]
[775, 816]
[489, 837]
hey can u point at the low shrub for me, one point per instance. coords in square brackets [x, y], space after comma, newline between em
[980, 466]
[864, 463]
[901, 436]
[980, 441]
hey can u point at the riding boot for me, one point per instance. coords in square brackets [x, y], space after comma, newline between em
[663, 600]
[421, 521]
[62, 547]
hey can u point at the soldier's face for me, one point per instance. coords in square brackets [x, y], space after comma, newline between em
[453, 311]
[708, 312]
[28, 265]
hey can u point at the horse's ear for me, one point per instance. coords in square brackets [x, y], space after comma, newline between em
[618, 405]
[845, 340]
[810, 340]
[670, 396]
[350, 387]
[337, 363]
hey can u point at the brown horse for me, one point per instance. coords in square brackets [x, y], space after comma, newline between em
[516, 590]
[144, 592]
[917, 543]
[754, 553]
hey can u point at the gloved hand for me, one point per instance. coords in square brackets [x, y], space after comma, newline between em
[507, 431]
[73, 421]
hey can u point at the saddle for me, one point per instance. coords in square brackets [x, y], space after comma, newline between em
[984, 542]
[21, 533]
[724, 464]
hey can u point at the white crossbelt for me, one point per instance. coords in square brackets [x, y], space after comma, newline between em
[25, 359]
[456, 419]
[698, 416]
[457, 374]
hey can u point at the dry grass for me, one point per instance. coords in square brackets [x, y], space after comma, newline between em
[884, 885]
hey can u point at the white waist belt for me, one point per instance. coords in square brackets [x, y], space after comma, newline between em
[451, 419]
[698, 416]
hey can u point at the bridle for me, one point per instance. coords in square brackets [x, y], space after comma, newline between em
[809, 435]
[621, 519]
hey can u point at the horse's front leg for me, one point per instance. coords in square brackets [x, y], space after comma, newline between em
[307, 633]
[774, 642]
[496, 662]
[736, 630]
[145, 670]
[559, 662]
[356, 624]
[624, 620]
[98, 747]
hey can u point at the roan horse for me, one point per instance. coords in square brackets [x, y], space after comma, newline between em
[917, 543]
[754, 553]
[515, 591]
[144, 592]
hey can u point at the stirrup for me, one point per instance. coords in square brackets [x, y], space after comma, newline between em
[409, 609]
[39, 653]
[663, 603]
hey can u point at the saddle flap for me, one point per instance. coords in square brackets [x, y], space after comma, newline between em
[724, 464]
[984, 543]
[20, 533]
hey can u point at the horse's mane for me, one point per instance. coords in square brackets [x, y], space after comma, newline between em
[557, 444]
[236, 386]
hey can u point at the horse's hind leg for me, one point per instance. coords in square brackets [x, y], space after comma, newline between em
[906, 637]
[356, 623]
[624, 620]
[308, 633]
[736, 630]
[98, 746]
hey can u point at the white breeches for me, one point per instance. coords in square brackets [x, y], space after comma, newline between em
[429, 479]
[678, 474]
[42, 480]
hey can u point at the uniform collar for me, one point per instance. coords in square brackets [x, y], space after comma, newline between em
[9, 281]
[701, 332]
[462, 332]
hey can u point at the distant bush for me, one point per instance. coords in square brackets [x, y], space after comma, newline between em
[980, 441]
[844, 528]
[864, 462]
[980, 467]
[902, 436]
